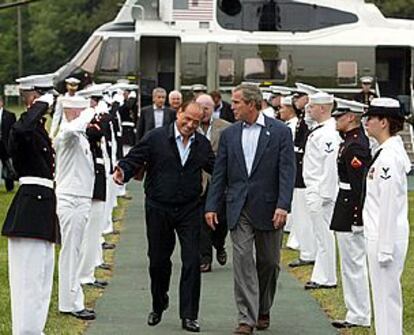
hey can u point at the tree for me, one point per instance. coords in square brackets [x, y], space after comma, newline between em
[403, 9]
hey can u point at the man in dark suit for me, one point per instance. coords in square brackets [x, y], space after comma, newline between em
[155, 116]
[7, 119]
[175, 156]
[222, 109]
[256, 164]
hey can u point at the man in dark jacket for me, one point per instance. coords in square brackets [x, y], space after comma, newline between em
[175, 156]
[7, 119]
[31, 223]
[222, 109]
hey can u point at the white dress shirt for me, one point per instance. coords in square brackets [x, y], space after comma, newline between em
[292, 123]
[217, 111]
[184, 150]
[158, 116]
[250, 138]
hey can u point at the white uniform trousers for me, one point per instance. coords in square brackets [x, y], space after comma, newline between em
[73, 212]
[110, 204]
[324, 270]
[91, 250]
[302, 227]
[31, 264]
[354, 272]
[386, 288]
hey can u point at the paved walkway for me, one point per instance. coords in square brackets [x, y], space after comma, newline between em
[124, 307]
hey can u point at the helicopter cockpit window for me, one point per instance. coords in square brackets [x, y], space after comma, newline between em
[265, 69]
[279, 15]
[118, 56]
[88, 56]
[347, 73]
[110, 56]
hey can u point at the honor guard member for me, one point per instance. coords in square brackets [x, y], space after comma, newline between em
[367, 94]
[353, 159]
[267, 108]
[74, 188]
[72, 85]
[321, 180]
[385, 214]
[212, 129]
[126, 114]
[31, 223]
[278, 92]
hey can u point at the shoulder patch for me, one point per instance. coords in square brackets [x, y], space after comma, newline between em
[328, 148]
[384, 173]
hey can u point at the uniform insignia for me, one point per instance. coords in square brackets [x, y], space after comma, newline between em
[385, 174]
[356, 163]
[371, 173]
[328, 149]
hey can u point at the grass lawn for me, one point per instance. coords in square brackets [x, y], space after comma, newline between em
[57, 324]
[331, 301]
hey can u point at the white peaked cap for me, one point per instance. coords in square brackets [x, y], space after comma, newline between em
[344, 106]
[30, 83]
[198, 87]
[282, 90]
[321, 98]
[306, 89]
[385, 102]
[287, 101]
[366, 79]
[95, 90]
[267, 96]
[76, 101]
[122, 87]
[72, 80]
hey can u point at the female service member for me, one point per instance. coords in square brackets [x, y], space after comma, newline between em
[385, 213]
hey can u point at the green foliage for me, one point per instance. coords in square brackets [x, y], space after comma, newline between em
[52, 33]
[403, 9]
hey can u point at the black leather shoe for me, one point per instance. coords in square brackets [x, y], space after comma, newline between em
[105, 266]
[300, 262]
[85, 314]
[190, 325]
[311, 285]
[345, 324]
[154, 318]
[206, 267]
[221, 256]
[98, 284]
[108, 246]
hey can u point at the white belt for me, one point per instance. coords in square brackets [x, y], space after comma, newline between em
[298, 150]
[128, 123]
[100, 161]
[118, 133]
[36, 181]
[344, 186]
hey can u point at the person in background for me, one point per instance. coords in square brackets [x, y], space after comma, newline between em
[31, 223]
[198, 89]
[367, 94]
[267, 108]
[222, 109]
[175, 99]
[385, 214]
[353, 159]
[7, 119]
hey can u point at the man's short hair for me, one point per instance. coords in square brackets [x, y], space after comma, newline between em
[250, 93]
[215, 94]
[158, 90]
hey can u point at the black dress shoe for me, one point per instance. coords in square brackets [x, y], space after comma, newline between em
[85, 314]
[311, 285]
[108, 246]
[105, 266]
[345, 324]
[98, 284]
[300, 262]
[221, 256]
[154, 318]
[190, 325]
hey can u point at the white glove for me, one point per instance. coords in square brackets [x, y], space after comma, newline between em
[357, 229]
[47, 97]
[119, 98]
[132, 94]
[385, 259]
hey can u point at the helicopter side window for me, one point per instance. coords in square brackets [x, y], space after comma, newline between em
[347, 73]
[110, 57]
[226, 71]
[265, 69]
[118, 56]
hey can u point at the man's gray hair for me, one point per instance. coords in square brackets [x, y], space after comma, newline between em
[250, 93]
[158, 90]
[175, 92]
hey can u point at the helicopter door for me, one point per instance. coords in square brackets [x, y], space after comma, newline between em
[157, 65]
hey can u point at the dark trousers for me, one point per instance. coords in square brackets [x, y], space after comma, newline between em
[162, 223]
[213, 238]
[8, 182]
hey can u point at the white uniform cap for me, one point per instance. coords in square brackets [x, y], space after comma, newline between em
[344, 106]
[199, 88]
[122, 87]
[281, 90]
[72, 81]
[287, 101]
[95, 90]
[76, 101]
[385, 107]
[321, 98]
[306, 89]
[253, 83]
[366, 80]
[41, 81]
[385, 102]
[267, 96]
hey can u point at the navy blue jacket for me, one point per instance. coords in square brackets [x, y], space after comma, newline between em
[270, 184]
